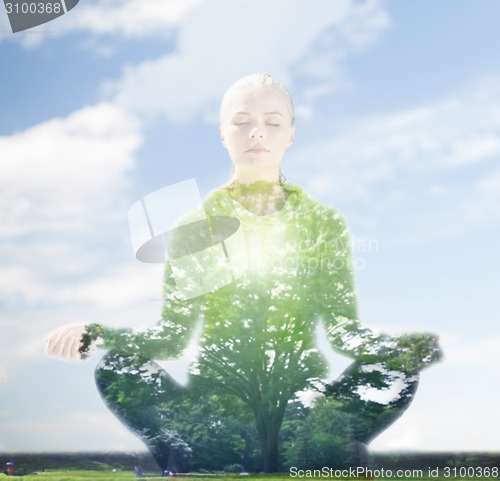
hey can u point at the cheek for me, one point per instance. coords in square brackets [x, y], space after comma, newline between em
[237, 137]
[283, 139]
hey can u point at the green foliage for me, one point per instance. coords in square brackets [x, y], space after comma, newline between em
[322, 438]
[234, 468]
[218, 427]
[258, 345]
[415, 352]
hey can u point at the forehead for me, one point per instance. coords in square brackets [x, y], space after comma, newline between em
[258, 101]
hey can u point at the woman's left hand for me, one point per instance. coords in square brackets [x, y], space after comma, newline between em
[415, 352]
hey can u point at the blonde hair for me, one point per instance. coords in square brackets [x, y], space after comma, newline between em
[254, 82]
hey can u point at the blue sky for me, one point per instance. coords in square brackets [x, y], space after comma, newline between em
[398, 121]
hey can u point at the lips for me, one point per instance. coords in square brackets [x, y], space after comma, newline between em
[257, 149]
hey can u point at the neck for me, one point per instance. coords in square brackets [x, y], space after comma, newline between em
[252, 176]
[261, 197]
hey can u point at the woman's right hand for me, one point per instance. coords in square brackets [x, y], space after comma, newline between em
[65, 343]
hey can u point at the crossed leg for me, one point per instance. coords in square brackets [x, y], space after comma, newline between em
[134, 388]
[370, 396]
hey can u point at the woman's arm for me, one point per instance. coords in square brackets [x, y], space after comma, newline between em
[167, 339]
[337, 307]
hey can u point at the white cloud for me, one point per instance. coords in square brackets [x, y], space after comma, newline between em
[130, 18]
[417, 161]
[219, 41]
[63, 198]
[474, 149]
[123, 18]
[66, 173]
[76, 431]
[452, 411]
[121, 287]
[424, 139]
[483, 352]
[41, 302]
[483, 206]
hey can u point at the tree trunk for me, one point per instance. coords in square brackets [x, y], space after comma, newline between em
[270, 454]
[268, 428]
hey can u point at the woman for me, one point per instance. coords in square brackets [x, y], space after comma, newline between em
[291, 268]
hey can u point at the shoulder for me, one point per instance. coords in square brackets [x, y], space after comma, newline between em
[217, 202]
[195, 229]
[327, 217]
[301, 205]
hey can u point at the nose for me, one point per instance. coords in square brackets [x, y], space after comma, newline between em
[256, 132]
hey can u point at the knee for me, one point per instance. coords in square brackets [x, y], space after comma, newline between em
[114, 366]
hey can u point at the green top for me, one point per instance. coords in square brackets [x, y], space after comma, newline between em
[271, 283]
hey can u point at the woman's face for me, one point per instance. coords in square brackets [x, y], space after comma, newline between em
[257, 129]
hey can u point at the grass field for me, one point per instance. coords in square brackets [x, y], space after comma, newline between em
[116, 466]
[128, 476]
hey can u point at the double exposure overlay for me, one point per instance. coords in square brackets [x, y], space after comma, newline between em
[289, 270]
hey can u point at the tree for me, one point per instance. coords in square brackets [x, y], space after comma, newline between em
[261, 293]
[218, 428]
[322, 438]
[260, 356]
